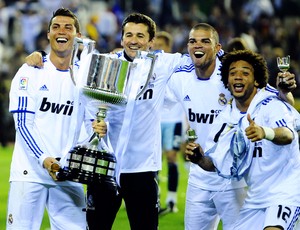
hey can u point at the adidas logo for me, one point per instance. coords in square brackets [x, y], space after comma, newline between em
[186, 98]
[44, 88]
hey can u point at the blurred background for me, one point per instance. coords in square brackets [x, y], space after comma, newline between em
[269, 27]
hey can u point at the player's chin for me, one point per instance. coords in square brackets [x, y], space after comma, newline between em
[132, 53]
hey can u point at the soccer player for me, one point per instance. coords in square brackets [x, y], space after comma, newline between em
[255, 138]
[138, 144]
[199, 89]
[48, 113]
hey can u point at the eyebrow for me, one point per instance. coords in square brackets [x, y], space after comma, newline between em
[202, 39]
[244, 67]
[138, 33]
[61, 24]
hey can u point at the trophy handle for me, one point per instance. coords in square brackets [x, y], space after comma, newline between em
[86, 42]
[153, 56]
[90, 44]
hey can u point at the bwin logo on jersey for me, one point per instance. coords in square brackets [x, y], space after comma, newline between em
[65, 109]
[202, 117]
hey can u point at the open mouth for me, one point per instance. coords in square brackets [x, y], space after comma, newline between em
[238, 87]
[199, 54]
[61, 40]
[134, 48]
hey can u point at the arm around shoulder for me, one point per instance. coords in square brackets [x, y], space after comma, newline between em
[35, 59]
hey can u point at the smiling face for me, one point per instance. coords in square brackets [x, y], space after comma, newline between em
[241, 82]
[61, 34]
[202, 47]
[135, 37]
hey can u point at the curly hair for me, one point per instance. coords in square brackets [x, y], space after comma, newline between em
[259, 64]
[141, 18]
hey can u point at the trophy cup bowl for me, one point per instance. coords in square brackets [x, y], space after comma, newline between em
[104, 79]
[107, 79]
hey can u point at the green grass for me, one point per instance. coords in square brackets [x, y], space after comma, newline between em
[5, 157]
[172, 221]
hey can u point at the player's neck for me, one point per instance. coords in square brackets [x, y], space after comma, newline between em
[205, 72]
[61, 63]
[242, 106]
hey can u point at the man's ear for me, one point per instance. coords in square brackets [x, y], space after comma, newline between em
[256, 84]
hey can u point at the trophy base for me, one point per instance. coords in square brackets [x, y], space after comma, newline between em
[88, 166]
[109, 182]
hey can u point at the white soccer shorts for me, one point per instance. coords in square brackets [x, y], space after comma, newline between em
[278, 215]
[205, 208]
[27, 202]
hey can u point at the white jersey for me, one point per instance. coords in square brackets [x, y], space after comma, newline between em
[202, 100]
[143, 150]
[48, 112]
[273, 171]
[175, 114]
[274, 174]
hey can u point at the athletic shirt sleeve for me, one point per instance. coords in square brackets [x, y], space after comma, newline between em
[282, 116]
[22, 105]
[170, 99]
[174, 84]
[268, 116]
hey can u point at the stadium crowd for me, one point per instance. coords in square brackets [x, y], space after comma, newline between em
[270, 27]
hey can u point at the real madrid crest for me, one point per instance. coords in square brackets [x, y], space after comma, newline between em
[10, 219]
[222, 100]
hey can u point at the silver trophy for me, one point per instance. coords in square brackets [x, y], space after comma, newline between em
[104, 79]
[283, 64]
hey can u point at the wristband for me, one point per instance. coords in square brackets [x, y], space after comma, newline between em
[269, 133]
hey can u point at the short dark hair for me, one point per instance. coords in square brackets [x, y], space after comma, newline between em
[166, 36]
[236, 43]
[258, 63]
[207, 27]
[68, 13]
[141, 18]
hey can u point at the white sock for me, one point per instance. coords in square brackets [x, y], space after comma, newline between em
[172, 196]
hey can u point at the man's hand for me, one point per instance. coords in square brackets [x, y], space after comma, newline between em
[286, 82]
[100, 128]
[35, 59]
[253, 131]
[52, 166]
[193, 152]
